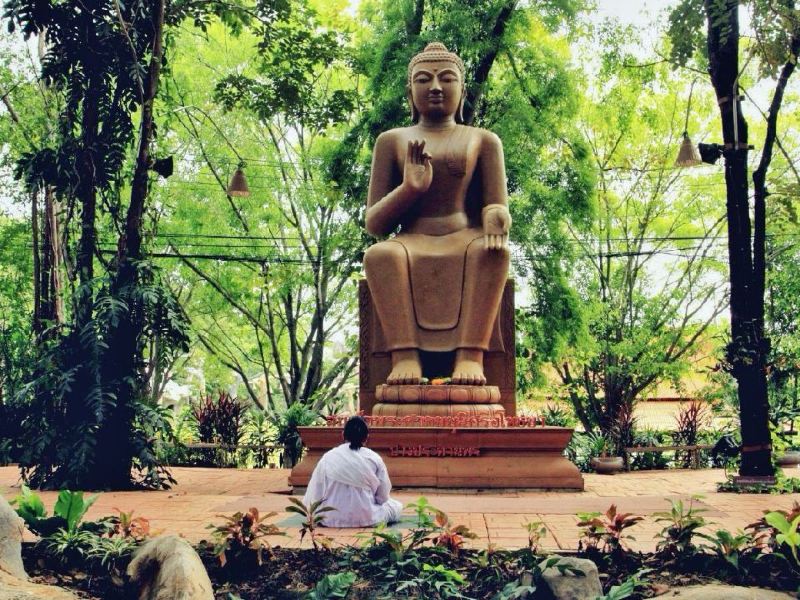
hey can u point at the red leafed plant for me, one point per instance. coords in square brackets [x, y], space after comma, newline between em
[689, 422]
[607, 529]
[128, 526]
[243, 534]
[451, 536]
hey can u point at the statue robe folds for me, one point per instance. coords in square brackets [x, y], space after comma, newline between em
[439, 273]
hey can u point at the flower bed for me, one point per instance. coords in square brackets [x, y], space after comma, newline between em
[426, 559]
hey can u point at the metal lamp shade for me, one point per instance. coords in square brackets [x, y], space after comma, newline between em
[688, 156]
[238, 184]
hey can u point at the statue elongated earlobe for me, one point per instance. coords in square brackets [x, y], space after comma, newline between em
[414, 111]
[460, 113]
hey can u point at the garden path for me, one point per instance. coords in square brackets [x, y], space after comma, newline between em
[495, 516]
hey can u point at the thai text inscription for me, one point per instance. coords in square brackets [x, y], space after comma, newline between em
[419, 451]
[450, 421]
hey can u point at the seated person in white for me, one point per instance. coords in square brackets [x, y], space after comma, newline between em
[353, 480]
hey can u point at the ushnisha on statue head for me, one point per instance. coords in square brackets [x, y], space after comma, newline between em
[434, 60]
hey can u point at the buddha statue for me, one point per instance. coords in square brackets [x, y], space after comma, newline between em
[439, 186]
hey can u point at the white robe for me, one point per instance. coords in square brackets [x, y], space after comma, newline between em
[356, 484]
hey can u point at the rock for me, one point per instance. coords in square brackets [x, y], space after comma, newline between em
[572, 587]
[14, 584]
[718, 591]
[13, 588]
[11, 530]
[168, 568]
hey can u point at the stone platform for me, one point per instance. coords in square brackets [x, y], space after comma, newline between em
[438, 400]
[438, 394]
[462, 457]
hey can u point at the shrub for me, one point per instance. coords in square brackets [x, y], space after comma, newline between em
[607, 529]
[536, 532]
[242, 535]
[333, 585]
[288, 437]
[690, 420]
[451, 536]
[258, 431]
[314, 517]
[219, 421]
[649, 460]
[125, 525]
[765, 534]
[621, 432]
[682, 524]
[558, 415]
[68, 511]
[730, 547]
[583, 447]
[787, 535]
[69, 547]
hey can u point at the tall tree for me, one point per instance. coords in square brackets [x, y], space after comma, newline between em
[285, 292]
[777, 28]
[88, 424]
[648, 273]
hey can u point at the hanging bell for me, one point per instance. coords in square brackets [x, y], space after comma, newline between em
[688, 156]
[238, 184]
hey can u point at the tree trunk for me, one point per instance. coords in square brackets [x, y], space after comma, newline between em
[37, 267]
[52, 302]
[122, 368]
[747, 350]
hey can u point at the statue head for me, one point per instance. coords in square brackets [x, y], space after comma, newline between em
[436, 60]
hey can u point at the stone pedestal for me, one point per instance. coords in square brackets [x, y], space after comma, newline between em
[438, 400]
[463, 457]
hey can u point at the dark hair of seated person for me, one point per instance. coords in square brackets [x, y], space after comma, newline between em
[356, 432]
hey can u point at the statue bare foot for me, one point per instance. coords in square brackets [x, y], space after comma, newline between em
[468, 369]
[406, 368]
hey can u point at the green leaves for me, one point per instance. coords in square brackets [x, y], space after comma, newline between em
[682, 523]
[687, 30]
[243, 534]
[608, 528]
[292, 55]
[68, 511]
[29, 506]
[72, 507]
[788, 532]
[333, 585]
[314, 517]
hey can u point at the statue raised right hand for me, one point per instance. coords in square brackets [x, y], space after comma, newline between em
[418, 170]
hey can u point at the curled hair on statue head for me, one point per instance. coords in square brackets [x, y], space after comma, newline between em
[356, 432]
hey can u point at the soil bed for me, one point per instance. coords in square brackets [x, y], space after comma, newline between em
[292, 573]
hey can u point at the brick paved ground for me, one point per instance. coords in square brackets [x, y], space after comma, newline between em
[497, 517]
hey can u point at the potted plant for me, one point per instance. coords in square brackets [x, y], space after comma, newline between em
[604, 464]
[787, 453]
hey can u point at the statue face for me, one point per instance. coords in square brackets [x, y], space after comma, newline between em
[436, 88]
